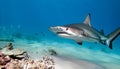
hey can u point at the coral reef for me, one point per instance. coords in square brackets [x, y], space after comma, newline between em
[11, 58]
[4, 59]
[45, 63]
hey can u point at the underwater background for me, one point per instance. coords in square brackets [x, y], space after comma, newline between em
[28, 22]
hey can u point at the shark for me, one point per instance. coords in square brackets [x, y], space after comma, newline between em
[84, 31]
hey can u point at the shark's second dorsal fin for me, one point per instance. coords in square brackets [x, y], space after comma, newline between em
[102, 31]
[87, 20]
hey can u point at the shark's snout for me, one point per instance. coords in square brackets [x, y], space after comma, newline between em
[57, 29]
[60, 30]
[51, 28]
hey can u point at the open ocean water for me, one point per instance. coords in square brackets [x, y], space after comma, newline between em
[27, 23]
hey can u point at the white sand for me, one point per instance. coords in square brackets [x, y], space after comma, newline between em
[103, 60]
[70, 63]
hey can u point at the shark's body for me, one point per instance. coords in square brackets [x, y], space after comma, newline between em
[85, 32]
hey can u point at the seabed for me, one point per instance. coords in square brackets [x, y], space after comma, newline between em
[46, 54]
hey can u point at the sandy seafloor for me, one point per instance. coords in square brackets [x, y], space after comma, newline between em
[69, 56]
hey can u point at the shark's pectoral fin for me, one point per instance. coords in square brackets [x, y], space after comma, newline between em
[78, 42]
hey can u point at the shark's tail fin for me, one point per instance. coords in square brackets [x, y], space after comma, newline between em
[112, 36]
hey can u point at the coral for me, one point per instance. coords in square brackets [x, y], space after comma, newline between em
[45, 63]
[4, 59]
[9, 59]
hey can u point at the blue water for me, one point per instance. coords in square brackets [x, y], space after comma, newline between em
[31, 19]
[28, 16]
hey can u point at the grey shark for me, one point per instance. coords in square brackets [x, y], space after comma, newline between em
[84, 31]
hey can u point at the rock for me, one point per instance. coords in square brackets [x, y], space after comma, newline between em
[52, 52]
[9, 46]
[14, 53]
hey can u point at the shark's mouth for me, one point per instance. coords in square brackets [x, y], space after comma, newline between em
[63, 33]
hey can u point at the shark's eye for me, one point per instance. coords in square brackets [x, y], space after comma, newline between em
[66, 28]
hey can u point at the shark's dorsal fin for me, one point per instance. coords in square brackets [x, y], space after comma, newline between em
[87, 20]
